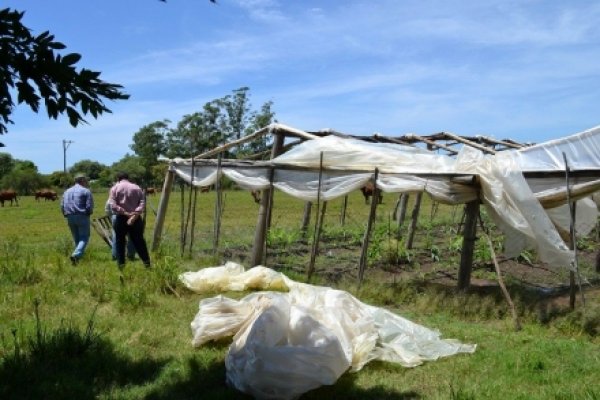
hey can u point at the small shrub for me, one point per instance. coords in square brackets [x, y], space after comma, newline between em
[132, 298]
[166, 275]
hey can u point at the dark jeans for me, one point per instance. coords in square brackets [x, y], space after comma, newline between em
[136, 235]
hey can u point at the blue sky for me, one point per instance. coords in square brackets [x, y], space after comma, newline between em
[526, 70]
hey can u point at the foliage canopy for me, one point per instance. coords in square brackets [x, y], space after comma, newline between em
[31, 66]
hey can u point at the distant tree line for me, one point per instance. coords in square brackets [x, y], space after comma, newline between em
[220, 120]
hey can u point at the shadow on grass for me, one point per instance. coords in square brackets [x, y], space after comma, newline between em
[346, 388]
[205, 382]
[69, 365]
[208, 383]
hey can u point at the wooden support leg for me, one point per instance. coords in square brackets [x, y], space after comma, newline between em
[468, 247]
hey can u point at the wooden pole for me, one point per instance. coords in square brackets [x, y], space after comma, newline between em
[401, 215]
[182, 216]
[434, 209]
[261, 229]
[367, 236]
[573, 241]
[470, 143]
[193, 228]
[252, 136]
[269, 214]
[189, 210]
[513, 310]
[343, 211]
[218, 204]
[260, 234]
[316, 239]
[318, 222]
[413, 222]
[306, 218]
[468, 247]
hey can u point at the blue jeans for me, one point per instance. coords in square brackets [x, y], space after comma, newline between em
[130, 246]
[80, 229]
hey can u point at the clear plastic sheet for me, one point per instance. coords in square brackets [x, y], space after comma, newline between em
[516, 204]
[285, 344]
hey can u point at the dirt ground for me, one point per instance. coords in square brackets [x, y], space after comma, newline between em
[545, 286]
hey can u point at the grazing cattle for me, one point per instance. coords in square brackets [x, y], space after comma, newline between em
[46, 194]
[255, 195]
[205, 189]
[368, 191]
[151, 190]
[8, 195]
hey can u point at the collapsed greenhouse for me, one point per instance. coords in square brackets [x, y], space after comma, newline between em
[285, 344]
[524, 188]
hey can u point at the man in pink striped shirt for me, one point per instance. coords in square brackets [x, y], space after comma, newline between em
[127, 202]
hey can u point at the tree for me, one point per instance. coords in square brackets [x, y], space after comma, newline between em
[24, 180]
[259, 120]
[7, 163]
[25, 165]
[236, 107]
[149, 144]
[197, 132]
[91, 169]
[29, 65]
[220, 120]
[60, 179]
[133, 166]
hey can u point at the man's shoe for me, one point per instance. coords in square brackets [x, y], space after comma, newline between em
[74, 260]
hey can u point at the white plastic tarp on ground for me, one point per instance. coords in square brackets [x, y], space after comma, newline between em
[510, 198]
[285, 344]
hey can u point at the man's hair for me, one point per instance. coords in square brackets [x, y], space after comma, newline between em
[122, 175]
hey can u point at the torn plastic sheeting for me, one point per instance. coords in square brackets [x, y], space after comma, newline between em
[285, 344]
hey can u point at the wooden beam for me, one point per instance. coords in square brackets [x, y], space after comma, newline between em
[260, 234]
[468, 247]
[413, 223]
[470, 143]
[273, 128]
[433, 143]
[306, 218]
[367, 237]
[162, 208]
[318, 223]
[502, 142]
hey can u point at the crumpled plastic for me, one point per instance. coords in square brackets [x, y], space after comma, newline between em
[285, 344]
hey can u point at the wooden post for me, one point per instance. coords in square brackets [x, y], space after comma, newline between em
[317, 238]
[193, 228]
[182, 216]
[306, 218]
[573, 241]
[366, 238]
[343, 212]
[413, 223]
[261, 229]
[260, 234]
[403, 202]
[468, 247]
[218, 204]
[162, 208]
[318, 224]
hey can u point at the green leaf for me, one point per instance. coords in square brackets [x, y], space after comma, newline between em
[71, 58]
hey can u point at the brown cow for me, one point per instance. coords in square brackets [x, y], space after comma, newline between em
[6, 195]
[368, 191]
[151, 190]
[46, 194]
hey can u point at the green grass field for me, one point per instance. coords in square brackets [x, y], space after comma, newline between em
[76, 333]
